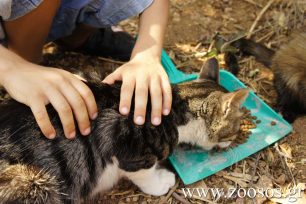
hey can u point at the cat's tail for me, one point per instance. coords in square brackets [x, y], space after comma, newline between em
[25, 184]
[261, 53]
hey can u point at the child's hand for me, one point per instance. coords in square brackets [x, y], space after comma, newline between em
[143, 75]
[36, 86]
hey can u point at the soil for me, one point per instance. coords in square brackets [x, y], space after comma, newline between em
[192, 24]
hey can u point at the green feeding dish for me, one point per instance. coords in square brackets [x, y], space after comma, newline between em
[196, 164]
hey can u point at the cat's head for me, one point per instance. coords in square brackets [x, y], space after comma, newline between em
[220, 109]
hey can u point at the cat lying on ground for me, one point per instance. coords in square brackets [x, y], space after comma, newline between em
[288, 65]
[34, 169]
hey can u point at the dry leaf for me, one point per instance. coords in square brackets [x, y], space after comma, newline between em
[281, 179]
[286, 150]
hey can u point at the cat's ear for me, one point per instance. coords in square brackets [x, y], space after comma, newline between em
[234, 100]
[210, 70]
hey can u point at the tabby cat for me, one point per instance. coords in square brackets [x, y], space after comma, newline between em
[34, 169]
[288, 65]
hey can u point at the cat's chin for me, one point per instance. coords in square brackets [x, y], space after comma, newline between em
[221, 145]
[224, 144]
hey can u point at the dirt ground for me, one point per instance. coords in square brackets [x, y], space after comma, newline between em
[192, 25]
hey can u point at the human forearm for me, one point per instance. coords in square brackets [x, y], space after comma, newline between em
[27, 34]
[144, 74]
[36, 86]
[152, 26]
[3, 66]
[7, 60]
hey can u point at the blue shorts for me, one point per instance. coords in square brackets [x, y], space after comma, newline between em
[96, 13]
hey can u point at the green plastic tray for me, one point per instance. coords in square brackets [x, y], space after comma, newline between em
[196, 164]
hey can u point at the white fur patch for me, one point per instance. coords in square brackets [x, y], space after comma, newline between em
[152, 181]
[195, 133]
[224, 144]
[108, 179]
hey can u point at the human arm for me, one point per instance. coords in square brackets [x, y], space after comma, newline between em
[144, 72]
[36, 86]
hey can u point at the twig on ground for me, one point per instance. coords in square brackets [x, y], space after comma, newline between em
[212, 44]
[292, 177]
[110, 60]
[137, 195]
[180, 198]
[266, 37]
[254, 170]
[260, 15]
[263, 88]
[119, 193]
[251, 184]
[184, 64]
[170, 192]
[254, 3]
[285, 159]
[239, 181]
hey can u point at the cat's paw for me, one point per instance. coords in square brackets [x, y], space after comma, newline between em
[161, 184]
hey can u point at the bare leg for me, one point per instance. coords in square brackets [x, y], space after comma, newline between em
[78, 37]
[27, 35]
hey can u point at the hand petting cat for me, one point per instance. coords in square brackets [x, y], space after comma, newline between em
[144, 72]
[143, 75]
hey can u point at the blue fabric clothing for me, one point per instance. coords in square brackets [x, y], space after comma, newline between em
[96, 13]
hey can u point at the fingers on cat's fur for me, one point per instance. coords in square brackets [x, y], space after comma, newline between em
[26, 184]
